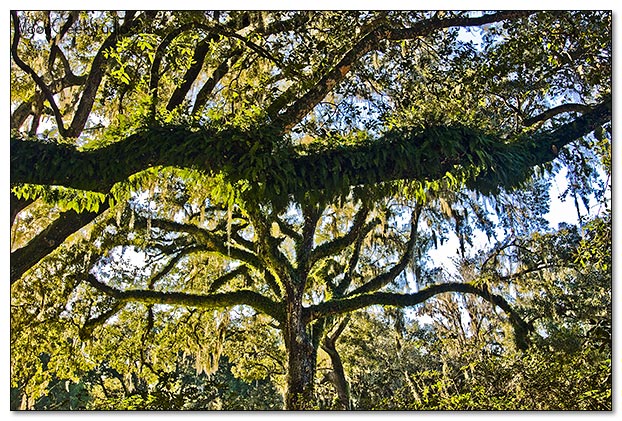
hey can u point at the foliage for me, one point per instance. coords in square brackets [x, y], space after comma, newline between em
[233, 210]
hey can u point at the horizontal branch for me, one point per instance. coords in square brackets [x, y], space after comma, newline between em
[209, 301]
[209, 240]
[427, 26]
[347, 305]
[527, 271]
[399, 155]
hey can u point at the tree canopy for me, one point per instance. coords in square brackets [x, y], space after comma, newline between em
[227, 209]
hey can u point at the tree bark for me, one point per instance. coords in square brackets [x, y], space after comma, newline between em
[301, 355]
[338, 375]
[48, 240]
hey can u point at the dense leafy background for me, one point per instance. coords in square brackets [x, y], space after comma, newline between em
[211, 162]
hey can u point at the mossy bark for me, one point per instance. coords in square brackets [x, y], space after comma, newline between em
[301, 356]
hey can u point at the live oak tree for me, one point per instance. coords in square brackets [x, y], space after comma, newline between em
[205, 168]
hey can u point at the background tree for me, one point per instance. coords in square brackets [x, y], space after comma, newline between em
[267, 173]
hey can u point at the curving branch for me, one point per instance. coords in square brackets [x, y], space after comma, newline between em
[69, 78]
[527, 271]
[192, 73]
[198, 58]
[346, 305]
[35, 77]
[207, 240]
[427, 26]
[560, 109]
[386, 278]
[336, 245]
[87, 329]
[154, 79]
[289, 230]
[338, 376]
[268, 251]
[54, 48]
[209, 301]
[172, 263]
[348, 271]
[209, 85]
[222, 280]
[250, 44]
[287, 118]
[30, 106]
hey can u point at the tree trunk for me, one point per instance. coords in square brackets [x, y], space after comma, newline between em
[301, 358]
[338, 376]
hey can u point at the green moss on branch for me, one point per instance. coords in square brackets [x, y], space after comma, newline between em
[219, 300]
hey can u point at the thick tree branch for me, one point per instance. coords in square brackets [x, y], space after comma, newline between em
[96, 74]
[87, 329]
[288, 230]
[268, 250]
[28, 107]
[338, 376]
[209, 85]
[251, 45]
[207, 239]
[430, 25]
[49, 240]
[398, 155]
[346, 305]
[520, 273]
[154, 79]
[172, 263]
[69, 78]
[198, 58]
[222, 280]
[304, 246]
[25, 109]
[298, 21]
[17, 205]
[219, 300]
[54, 48]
